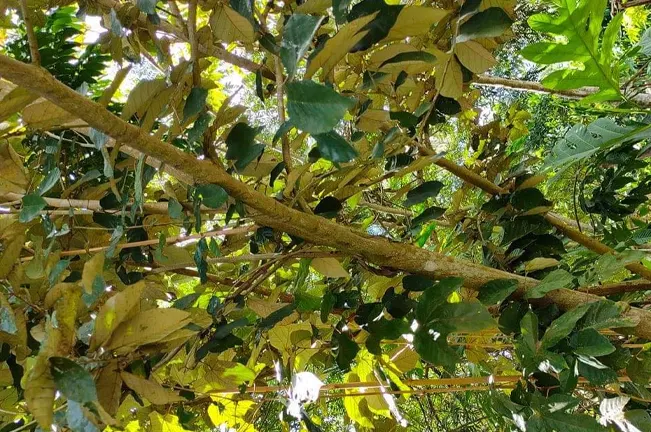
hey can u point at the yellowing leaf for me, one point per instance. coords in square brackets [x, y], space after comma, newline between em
[329, 267]
[14, 101]
[12, 172]
[150, 389]
[415, 21]
[119, 308]
[373, 119]
[232, 415]
[540, 263]
[147, 327]
[93, 268]
[10, 255]
[229, 26]
[288, 338]
[45, 114]
[39, 392]
[475, 57]
[166, 423]
[314, 7]
[404, 358]
[338, 46]
[141, 96]
[109, 387]
[449, 78]
[263, 308]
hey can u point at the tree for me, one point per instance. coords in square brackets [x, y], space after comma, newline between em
[181, 253]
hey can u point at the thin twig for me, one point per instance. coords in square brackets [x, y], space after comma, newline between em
[280, 100]
[31, 36]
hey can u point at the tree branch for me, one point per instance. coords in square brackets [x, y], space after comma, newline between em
[31, 36]
[313, 229]
[280, 99]
[530, 86]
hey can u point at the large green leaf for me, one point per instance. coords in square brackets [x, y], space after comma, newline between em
[334, 147]
[433, 348]
[32, 206]
[212, 196]
[589, 342]
[315, 108]
[195, 102]
[562, 326]
[490, 23]
[433, 297]
[581, 142]
[72, 380]
[496, 291]
[241, 145]
[553, 281]
[297, 36]
[421, 193]
[564, 422]
[576, 26]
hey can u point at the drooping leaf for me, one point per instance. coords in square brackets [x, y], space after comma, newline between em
[334, 147]
[195, 102]
[428, 215]
[32, 206]
[75, 382]
[491, 22]
[150, 390]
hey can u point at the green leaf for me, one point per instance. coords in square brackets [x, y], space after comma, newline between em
[423, 192]
[49, 181]
[340, 10]
[315, 108]
[589, 342]
[195, 102]
[241, 145]
[328, 207]
[433, 297]
[428, 215]
[411, 56]
[464, 316]
[526, 199]
[199, 127]
[553, 281]
[346, 350]
[575, 422]
[282, 131]
[434, 348]
[334, 147]
[297, 37]
[562, 326]
[174, 209]
[645, 42]
[490, 23]
[594, 371]
[605, 314]
[582, 142]
[7, 318]
[496, 291]
[529, 333]
[639, 368]
[381, 25]
[212, 196]
[416, 283]
[72, 380]
[77, 420]
[147, 6]
[32, 206]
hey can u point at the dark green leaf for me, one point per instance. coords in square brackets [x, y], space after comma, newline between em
[147, 6]
[433, 348]
[377, 29]
[406, 119]
[605, 314]
[315, 108]
[423, 192]
[77, 420]
[327, 304]
[594, 371]
[275, 173]
[340, 10]
[195, 102]
[334, 147]
[32, 206]
[259, 90]
[282, 131]
[411, 56]
[639, 368]
[297, 37]
[589, 342]
[328, 207]
[72, 380]
[174, 209]
[428, 215]
[496, 291]
[212, 196]
[464, 316]
[241, 145]
[490, 23]
[186, 301]
[346, 351]
[562, 326]
[553, 281]
[199, 127]
[49, 181]
[526, 199]
[416, 283]
[433, 297]
[275, 317]
[575, 422]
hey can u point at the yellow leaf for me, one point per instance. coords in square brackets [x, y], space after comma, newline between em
[45, 114]
[17, 99]
[404, 358]
[373, 119]
[109, 387]
[229, 26]
[119, 308]
[263, 308]
[415, 21]
[93, 268]
[329, 267]
[539, 264]
[232, 415]
[10, 255]
[158, 103]
[147, 327]
[150, 389]
[166, 423]
[261, 167]
[39, 392]
[449, 78]
[338, 46]
[475, 57]
[288, 338]
[141, 96]
[314, 7]
[532, 181]
[12, 172]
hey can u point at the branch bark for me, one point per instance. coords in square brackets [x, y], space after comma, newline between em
[313, 229]
[31, 36]
[530, 86]
[618, 288]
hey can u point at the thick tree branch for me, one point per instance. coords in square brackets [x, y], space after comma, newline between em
[530, 86]
[313, 229]
[618, 288]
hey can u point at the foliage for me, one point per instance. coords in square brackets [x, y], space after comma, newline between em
[315, 245]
